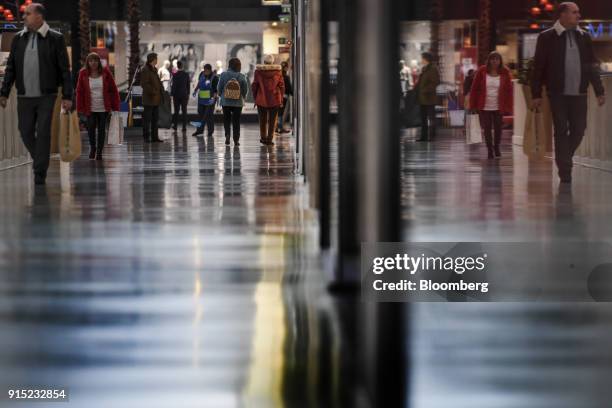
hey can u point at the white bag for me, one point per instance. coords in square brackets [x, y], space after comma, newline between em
[114, 134]
[457, 118]
[473, 133]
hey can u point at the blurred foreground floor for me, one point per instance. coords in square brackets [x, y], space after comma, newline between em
[187, 275]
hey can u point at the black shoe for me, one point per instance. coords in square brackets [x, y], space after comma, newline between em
[39, 179]
[497, 151]
[227, 141]
[184, 130]
[92, 153]
[174, 128]
[99, 155]
[263, 141]
[236, 143]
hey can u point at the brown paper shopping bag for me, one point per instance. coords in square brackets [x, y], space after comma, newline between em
[69, 136]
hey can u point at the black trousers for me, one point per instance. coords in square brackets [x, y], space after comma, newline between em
[34, 116]
[570, 120]
[231, 121]
[281, 113]
[207, 116]
[150, 117]
[428, 121]
[180, 104]
[96, 123]
[491, 122]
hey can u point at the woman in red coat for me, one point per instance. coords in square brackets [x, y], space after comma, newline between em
[268, 89]
[491, 96]
[96, 96]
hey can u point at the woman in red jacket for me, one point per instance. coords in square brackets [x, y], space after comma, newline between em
[96, 96]
[491, 96]
[268, 89]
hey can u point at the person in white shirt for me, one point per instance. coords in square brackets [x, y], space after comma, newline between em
[491, 96]
[165, 75]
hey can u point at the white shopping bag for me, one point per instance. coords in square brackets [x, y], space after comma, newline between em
[473, 133]
[457, 118]
[114, 135]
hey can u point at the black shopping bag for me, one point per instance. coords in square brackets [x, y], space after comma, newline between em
[411, 114]
[165, 112]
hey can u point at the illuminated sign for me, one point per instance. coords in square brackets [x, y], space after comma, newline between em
[599, 30]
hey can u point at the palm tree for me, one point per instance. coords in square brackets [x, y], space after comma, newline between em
[436, 11]
[133, 9]
[484, 30]
[84, 29]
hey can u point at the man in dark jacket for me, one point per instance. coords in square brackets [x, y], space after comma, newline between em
[37, 65]
[566, 64]
[427, 96]
[152, 90]
[288, 93]
[179, 90]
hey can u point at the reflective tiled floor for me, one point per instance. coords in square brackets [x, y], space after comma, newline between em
[505, 354]
[187, 275]
[167, 276]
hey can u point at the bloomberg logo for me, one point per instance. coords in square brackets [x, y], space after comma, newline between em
[598, 31]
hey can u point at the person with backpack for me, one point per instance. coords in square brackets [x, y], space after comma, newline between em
[206, 92]
[232, 89]
[268, 89]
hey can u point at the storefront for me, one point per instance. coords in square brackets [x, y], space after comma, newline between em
[194, 43]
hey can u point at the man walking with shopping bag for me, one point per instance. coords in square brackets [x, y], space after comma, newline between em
[566, 64]
[37, 65]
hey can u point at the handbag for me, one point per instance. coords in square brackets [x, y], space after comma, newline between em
[534, 143]
[114, 132]
[69, 136]
[473, 132]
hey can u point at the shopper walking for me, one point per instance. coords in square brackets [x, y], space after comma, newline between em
[491, 97]
[232, 89]
[180, 95]
[427, 97]
[37, 65]
[96, 97]
[151, 99]
[288, 93]
[268, 89]
[566, 64]
[206, 92]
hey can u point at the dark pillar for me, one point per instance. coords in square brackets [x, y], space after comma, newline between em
[325, 170]
[347, 270]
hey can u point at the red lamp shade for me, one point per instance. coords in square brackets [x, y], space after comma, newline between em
[549, 7]
[22, 8]
[534, 26]
[28, 2]
[1, 9]
[543, 2]
[536, 11]
[6, 12]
